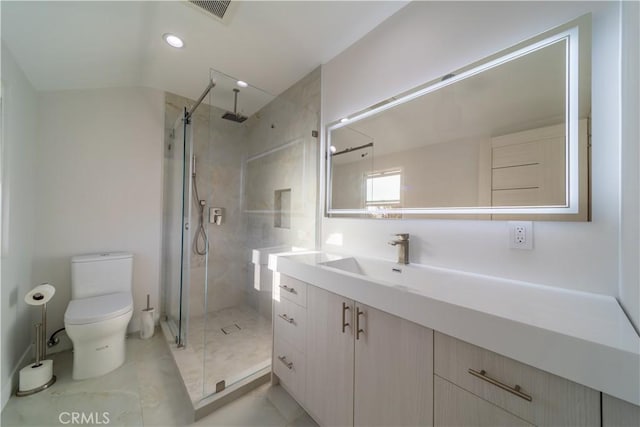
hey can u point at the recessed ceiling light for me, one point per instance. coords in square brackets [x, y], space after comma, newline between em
[173, 40]
[344, 119]
[242, 84]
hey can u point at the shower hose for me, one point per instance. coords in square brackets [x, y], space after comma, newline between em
[200, 242]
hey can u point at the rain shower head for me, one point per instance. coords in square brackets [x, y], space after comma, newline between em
[235, 116]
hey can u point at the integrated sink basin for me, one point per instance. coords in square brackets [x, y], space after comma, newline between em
[374, 269]
[409, 277]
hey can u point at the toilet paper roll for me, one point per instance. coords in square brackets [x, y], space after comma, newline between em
[40, 295]
[32, 377]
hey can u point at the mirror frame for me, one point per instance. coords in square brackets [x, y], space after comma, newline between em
[576, 181]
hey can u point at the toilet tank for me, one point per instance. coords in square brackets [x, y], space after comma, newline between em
[100, 274]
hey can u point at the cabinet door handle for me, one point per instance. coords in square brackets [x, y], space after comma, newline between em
[288, 289]
[286, 318]
[513, 390]
[358, 329]
[345, 307]
[283, 359]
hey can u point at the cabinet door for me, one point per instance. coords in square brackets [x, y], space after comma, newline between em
[329, 397]
[393, 371]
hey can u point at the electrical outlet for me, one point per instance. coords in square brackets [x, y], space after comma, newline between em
[521, 235]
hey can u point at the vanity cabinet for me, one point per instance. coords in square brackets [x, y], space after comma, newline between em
[393, 370]
[618, 413]
[534, 396]
[350, 364]
[366, 367]
[290, 335]
[330, 352]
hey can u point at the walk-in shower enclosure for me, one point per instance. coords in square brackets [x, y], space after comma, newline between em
[231, 186]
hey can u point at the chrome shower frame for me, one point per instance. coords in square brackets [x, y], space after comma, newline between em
[183, 316]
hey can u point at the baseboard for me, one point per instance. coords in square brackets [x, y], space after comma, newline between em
[12, 385]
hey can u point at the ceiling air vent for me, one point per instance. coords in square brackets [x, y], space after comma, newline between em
[219, 9]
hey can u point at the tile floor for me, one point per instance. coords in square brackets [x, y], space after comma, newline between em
[145, 391]
[229, 357]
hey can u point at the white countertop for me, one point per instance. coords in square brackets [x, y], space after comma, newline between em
[584, 337]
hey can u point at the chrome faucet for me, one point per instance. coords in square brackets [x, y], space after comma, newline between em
[403, 247]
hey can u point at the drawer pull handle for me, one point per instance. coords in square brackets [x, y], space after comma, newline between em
[345, 307]
[288, 289]
[358, 329]
[283, 359]
[513, 390]
[286, 318]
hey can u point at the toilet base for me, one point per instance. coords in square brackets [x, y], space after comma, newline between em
[98, 348]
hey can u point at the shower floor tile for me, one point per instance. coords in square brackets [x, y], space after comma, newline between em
[228, 345]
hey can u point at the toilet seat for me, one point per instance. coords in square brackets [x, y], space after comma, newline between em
[97, 309]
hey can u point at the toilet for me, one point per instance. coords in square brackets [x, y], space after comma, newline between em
[99, 311]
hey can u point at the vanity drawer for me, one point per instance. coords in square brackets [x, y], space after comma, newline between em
[290, 323]
[456, 407]
[293, 290]
[289, 366]
[553, 400]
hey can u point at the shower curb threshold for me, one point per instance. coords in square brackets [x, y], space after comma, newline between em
[211, 403]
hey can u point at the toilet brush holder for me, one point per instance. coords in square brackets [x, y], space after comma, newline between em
[147, 324]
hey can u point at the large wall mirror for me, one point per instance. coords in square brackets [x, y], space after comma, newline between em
[503, 138]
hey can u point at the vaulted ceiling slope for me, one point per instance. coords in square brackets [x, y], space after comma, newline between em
[94, 44]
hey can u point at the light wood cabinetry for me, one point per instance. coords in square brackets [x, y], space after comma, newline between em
[456, 407]
[528, 168]
[290, 335]
[329, 397]
[393, 371]
[289, 366]
[384, 379]
[535, 396]
[351, 364]
[618, 413]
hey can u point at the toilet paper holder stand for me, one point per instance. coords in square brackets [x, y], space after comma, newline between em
[40, 295]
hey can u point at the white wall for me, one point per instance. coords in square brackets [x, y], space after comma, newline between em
[19, 105]
[429, 39]
[630, 173]
[99, 186]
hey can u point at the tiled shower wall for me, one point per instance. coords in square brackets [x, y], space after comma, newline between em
[241, 168]
[219, 148]
[282, 172]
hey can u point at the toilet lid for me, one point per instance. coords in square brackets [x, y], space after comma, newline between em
[97, 309]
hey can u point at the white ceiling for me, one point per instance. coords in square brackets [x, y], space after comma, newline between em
[92, 44]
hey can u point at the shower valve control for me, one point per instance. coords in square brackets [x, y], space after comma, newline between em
[215, 215]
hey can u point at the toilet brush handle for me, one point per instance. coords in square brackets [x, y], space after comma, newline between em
[147, 301]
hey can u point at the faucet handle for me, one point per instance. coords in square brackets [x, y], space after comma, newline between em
[403, 236]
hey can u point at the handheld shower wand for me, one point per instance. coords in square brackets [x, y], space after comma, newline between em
[201, 233]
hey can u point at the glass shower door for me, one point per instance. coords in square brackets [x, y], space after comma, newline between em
[177, 239]
[185, 267]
